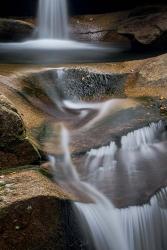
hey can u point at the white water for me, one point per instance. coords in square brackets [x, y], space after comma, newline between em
[53, 19]
[146, 226]
[104, 224]
[108, 228]
[136, 147]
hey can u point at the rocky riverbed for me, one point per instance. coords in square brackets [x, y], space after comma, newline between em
[35, 213]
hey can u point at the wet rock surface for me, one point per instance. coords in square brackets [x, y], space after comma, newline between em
[35, 213]
[142, 80]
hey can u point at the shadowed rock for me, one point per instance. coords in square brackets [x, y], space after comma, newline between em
[15, 30]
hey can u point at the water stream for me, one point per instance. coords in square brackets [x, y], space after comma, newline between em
[113, 174]
[52, 44]
[53, 19]
[105, 226]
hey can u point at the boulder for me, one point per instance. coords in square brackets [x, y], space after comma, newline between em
[15, 30]
[94, 28]
[12, 127]
[143, 27]
[146, 26]
[35, 214]
[15, 148]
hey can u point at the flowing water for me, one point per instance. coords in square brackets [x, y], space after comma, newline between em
[105, 226]
[112, 175]
[53, 44]
[100, 219]
[53, 19]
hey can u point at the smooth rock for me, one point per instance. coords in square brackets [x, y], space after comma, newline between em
[15, 30]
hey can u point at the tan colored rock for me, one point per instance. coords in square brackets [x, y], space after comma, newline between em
[33, 213]
[146, 26]
[91, 82]
[96, 28]
[12, 126]
[15, 148]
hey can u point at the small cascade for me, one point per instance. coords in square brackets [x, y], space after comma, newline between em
[53, 19]
[146, 226]
[99, 218]
[102, 158]
[134, 145]
[103, 225]
[143, 136]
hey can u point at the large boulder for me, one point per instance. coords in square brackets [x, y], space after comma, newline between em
[35, 214]
[12, 127]
[147, 26]
[15, 148]
[144, 27]
[15, 30]
[96, 28]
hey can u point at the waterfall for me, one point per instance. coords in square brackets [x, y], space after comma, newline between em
[103, 225]
[53, 19]
[100, 218]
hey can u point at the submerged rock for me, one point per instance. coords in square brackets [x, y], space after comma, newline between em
[29, 92]
[15, 30]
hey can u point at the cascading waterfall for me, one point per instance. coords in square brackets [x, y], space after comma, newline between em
[53, 19]
[137, 148]
[104, 224]
[53, 44]
[132, 228]
[145, 226]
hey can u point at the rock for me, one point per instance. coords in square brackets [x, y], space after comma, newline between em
[151, 79]
[12, 126]
[36, 214]
[15, 30]
[15, 149]
[147, 26]
[93, 82]
[98, 28]
[18, 154]
[144, 27]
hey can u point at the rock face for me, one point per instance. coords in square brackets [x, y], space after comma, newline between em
[36, 215]
[142, 27]
[97, 82]
[15, 149]
[96, 28]
[15, 30]
[147, 26]
[12, 127]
